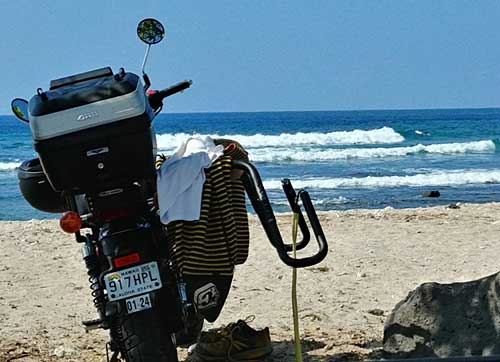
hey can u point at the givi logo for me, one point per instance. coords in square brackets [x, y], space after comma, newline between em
[87, 115]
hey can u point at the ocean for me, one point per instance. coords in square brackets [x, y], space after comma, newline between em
[345, 159]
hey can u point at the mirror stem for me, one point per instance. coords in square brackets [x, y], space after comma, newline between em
[145, 59]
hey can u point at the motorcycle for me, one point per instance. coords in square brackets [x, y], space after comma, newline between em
[96, 145]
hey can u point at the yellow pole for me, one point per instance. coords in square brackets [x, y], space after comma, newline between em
[298, 346]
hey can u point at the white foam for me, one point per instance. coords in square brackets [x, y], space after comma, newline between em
[7, 166]
[443, 178]
[422, 133]
[301, 154]
[341, 200]
[384, 135]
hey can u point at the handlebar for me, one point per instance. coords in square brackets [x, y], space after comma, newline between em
[156, 98]
[258, 197]
[176, 88]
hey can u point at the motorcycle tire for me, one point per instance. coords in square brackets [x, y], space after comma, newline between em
[143, 337]
[190, 334]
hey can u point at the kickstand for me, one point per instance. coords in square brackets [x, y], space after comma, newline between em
[114, 356]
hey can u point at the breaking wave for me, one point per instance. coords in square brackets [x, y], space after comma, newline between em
[384, 135]
[9, 166]
[301, 154]
[444, 178]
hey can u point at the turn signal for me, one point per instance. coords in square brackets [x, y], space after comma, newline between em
[70, 222]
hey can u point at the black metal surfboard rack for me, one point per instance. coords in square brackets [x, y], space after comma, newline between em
[260, 202]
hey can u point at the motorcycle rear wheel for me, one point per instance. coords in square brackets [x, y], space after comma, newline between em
[143, 337]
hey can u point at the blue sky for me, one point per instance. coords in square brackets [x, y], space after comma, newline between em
[251, 55]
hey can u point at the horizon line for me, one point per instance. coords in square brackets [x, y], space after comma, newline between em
[329, 110]
[342, 110]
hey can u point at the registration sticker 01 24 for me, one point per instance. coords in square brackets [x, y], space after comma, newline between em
[133, 281]
[138, 303]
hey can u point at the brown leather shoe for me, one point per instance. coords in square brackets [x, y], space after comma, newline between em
[234, 342]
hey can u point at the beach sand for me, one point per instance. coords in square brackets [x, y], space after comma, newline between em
[376, 257]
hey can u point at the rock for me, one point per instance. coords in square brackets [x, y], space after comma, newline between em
[434, 193]
[454, 206]
[64, 351]
[376, 311]
[59, 351]
[361, 275]
[442, 320]
[329, 346]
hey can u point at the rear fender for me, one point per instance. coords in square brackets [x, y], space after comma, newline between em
[122, 238]
[125, 244]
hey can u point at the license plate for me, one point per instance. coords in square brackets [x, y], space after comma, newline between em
[138, 303]
[129, 282]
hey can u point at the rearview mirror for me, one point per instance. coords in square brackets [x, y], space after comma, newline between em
[19, 107]
[150, 31]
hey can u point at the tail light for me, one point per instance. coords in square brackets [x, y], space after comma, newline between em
[127, 260]
[70, 222]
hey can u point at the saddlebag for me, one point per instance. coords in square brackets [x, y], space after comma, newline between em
[93, 132]
[36, 188]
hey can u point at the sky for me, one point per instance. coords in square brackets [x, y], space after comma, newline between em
[266, 55]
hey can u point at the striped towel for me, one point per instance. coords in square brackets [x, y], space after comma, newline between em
[219, 240]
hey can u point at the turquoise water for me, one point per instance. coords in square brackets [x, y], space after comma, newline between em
[346, 159]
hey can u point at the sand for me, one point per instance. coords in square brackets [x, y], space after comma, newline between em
[376, 257]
